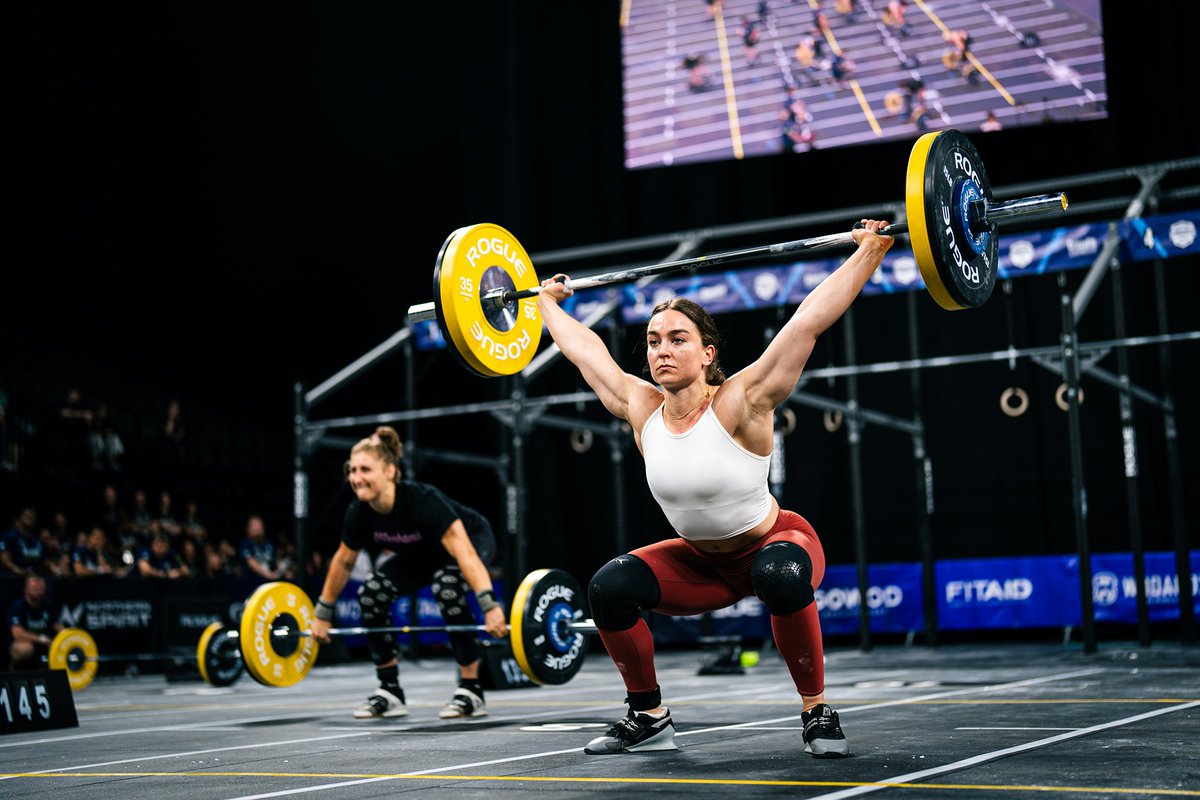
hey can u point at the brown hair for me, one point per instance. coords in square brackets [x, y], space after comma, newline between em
[384, 444]
[704, 323]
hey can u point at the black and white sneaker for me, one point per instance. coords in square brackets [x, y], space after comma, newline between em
[381, 704]
[464, 703]
[636, 731]
[823, 735]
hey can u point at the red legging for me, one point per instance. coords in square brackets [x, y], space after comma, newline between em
[692, 582]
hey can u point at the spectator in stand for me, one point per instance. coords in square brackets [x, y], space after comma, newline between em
[95, 559]
[110, 516]
[173, 434]
[257, 554]
[807, 53]
[165, 519]
[751, 33]
[31, 623]
[190, 556]
[697, 70]
[193, 528]
[104, 443]
[714, 7]
[159, 560]
[841, 69]
[137, 525]
[893, 16]
[991, 123]
[21, 550]
[796, 119]
[56, 558]
[216, 564]
[848, 9]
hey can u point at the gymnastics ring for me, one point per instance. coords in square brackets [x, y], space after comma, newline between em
[832, 420]
[581, 440]
[1022, 404]
[1060, 396]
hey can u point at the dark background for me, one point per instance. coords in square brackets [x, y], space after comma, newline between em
[216, 201]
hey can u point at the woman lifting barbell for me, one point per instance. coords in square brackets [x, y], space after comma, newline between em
[434, 540]
[707, 442]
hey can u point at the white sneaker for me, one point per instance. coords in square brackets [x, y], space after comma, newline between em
[636, 731]
[464, 703]
[381, 704]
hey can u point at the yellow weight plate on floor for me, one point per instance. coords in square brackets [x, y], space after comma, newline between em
[74, 650]
[474, 261]
[218, 656]
[274, 660]
[546, 649]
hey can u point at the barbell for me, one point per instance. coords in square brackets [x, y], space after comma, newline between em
[547, 630]
[74, 650]
[483, 281]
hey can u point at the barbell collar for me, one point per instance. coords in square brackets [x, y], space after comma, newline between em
[984, 214]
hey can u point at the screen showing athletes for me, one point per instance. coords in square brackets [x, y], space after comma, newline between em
[714, 79]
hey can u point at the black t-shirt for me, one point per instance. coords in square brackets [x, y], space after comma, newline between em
[34, 620]
[414, 528]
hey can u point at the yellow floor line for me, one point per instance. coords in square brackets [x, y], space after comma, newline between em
[620, 780]
[982, 70]
[735, 131]
[626, 7]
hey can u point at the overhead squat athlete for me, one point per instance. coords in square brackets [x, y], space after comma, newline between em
[707, 443]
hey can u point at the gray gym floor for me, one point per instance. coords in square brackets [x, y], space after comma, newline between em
[952, 722]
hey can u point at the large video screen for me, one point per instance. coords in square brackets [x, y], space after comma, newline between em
[716, 79]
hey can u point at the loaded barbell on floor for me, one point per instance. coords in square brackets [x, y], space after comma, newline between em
[74, 650]
[546, 622]
[483, 281]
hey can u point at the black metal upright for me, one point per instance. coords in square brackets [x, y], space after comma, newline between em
[300, 480]
[1129, 450]
[1070, 362]
[854, 427]
[923, 468]
[1179, 536]
[516, 488]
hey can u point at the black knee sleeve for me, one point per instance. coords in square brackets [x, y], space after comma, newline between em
[620, 591]
[450, 591]
[782, 577]
[375, 598]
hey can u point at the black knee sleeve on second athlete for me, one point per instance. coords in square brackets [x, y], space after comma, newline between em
[449, 590]
[620, 591]
[375, 598]
[781, 576]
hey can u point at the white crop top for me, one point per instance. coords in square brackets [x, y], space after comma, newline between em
[709, 486]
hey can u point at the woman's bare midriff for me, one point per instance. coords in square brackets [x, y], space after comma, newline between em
[742, 540]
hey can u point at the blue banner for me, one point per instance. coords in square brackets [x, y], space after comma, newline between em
[893, 599]
[1114, 589]
[1028, 592]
